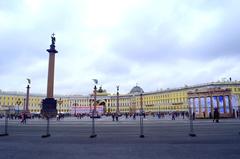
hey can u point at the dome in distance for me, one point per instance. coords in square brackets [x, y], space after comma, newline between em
[136, 90]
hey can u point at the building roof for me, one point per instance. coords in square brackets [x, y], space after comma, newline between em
[136, 90]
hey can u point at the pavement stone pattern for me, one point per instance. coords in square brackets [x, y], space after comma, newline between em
[164, 138]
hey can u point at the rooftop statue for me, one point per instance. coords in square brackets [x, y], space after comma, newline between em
[53, 39]
[52, 46]
[100, 90]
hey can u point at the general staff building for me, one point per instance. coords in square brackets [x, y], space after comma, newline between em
[202, 98]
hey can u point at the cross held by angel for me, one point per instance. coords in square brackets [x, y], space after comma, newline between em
[53, 39]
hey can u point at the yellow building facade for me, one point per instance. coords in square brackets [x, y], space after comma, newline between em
[16, 102]
[169, 100]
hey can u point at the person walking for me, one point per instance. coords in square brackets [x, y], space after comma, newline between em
[112, 116]
[204, 115]
[194, 115]
[24, 118]
[134, 116]
[216, 115]
[173, 116]
[116, 116]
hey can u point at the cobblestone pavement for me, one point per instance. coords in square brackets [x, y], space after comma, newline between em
[164, 138]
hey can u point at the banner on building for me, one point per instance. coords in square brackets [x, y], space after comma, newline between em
[214, 100]
[227, 104]
[235, 101]
[202, 102]
[191, 104]
[221, 107]
[208, 104]
[196, 102]
[86, 109]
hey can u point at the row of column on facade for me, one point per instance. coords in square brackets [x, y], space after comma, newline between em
[206, 104]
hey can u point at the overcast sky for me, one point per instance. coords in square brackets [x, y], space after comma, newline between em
[152, 43]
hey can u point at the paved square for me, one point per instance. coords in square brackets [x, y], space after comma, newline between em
[164, 138]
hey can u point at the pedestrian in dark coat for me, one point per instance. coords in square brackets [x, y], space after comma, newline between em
[216, 115]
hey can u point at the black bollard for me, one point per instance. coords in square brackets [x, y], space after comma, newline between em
[141, 126]
[6, 125]
[47, 131]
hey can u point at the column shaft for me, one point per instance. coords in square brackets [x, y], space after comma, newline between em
[50, 84]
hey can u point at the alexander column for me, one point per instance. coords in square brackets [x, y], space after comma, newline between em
[49, 104]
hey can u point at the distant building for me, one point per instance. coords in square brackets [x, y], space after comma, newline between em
[202, 98]
[203, 102]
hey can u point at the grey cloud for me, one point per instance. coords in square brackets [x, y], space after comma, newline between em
[146, 39]
[9, 6]
[165, 46]
[18, 48]
[112, 67]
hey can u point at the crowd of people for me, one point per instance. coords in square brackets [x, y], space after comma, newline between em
[20, 116]
[115, 116]
[160, 115]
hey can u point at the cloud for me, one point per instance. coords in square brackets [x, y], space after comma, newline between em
[157, 44]
[188, 31]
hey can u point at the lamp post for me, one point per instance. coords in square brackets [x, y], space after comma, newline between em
[59, 112]
[141, 117]
[75, 108]
[18, 103]
[27, 97]
[191, 133]
[90, 103]
[6, 123]
[60, 103]
[40, 107]
[70, 106]
[117, 110]
[239, 116]
[24, 104]
[93, 135]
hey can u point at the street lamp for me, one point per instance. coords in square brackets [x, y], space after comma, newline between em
[60, 103]
[75, 107]
[6, 123]
[117, 110]
[70, 106]
[90, 103]
[141, 117]
[24, 104]
[239, 115]
[18, 103]
[93, 135]
[27, 98]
